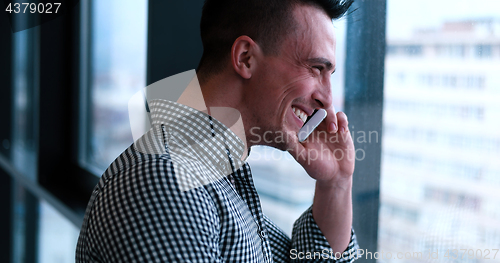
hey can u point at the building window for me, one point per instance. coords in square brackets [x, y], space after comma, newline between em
[413, 50]
[482, 51]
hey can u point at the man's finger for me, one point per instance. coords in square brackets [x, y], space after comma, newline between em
[331, 120]
[343, 123]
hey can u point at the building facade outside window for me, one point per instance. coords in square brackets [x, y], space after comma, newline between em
[441, 144]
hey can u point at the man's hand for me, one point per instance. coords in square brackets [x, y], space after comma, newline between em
[328, 153]
[328, 156]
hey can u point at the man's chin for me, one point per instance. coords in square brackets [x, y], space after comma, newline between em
[281, 139]
[289, 143]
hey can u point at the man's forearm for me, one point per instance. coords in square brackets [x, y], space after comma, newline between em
[332, 211]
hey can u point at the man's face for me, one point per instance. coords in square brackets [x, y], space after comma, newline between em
[295, 82]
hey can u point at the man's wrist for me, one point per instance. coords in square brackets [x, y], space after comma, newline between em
[335, 184]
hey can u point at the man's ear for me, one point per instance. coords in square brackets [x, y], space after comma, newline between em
[243, 56]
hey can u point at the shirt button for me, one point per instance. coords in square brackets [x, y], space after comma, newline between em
[262, 234]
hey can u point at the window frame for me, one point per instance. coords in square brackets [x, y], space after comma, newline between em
[364, 86]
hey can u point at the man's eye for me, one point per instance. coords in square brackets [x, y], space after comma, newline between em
[320, 68]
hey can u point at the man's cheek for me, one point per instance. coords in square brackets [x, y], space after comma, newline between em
[305, 79]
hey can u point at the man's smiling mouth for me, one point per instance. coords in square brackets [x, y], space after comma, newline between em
[300, 113]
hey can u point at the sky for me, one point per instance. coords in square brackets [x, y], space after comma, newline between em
[405, 15]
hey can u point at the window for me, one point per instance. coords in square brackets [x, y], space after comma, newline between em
[482, 51]
[45, 191]
[25, 87]
[434, 173]
[57, 236]
[412, 50]
[450, 51]
[24, 147]
[117, 72]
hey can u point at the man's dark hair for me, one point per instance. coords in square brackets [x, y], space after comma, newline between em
[267, 22]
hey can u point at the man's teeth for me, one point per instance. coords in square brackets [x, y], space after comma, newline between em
[302, 115]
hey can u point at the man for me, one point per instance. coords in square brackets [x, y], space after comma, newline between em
[183, 193]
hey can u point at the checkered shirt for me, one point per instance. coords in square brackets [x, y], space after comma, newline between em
[169, 198]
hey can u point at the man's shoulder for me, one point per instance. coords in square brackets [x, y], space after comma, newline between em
[147, 150]
[168, 170]
[136, 179]
[141, 193]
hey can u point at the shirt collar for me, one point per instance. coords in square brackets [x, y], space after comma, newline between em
[203, 148]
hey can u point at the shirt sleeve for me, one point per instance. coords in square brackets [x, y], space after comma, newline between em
[279, 241]
[310, 245]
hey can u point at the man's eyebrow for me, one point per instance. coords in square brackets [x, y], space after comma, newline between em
[324, 61]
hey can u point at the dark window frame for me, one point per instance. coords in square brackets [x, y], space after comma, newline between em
[364, 86]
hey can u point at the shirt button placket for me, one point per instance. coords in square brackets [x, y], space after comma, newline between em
[262, 235]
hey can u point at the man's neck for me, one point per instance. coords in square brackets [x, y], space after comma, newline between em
[216, 104]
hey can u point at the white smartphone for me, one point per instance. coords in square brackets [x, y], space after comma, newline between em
[311, 123]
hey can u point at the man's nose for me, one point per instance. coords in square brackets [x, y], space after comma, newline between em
[323, 94]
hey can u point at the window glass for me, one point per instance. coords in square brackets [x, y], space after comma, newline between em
[118, 71]
[284, 187]
[19, 223]
[24, 224]
[25, 98]
[57, 236]
[441, 144]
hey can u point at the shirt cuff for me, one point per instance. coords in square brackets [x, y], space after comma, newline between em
[308, 239]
